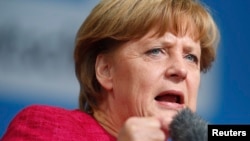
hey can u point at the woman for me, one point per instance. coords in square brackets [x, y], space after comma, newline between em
[138, 63]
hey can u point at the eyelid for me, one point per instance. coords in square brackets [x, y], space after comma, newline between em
[150, 51]
[196, 60]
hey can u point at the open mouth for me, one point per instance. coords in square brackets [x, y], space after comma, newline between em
[171, 98]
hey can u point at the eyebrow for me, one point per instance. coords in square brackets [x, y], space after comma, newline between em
[192, 49]
[188, 48]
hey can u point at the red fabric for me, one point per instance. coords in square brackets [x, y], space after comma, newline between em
[46, 123]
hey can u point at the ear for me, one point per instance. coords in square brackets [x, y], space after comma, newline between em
[102, 71]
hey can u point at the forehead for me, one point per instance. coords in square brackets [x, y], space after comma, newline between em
[169, 38]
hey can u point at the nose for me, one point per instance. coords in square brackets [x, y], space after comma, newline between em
[176, 70]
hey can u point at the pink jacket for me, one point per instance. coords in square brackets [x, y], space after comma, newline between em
[46, 123]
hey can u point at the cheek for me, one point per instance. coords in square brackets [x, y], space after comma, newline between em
[133, 92]
[133, 82]
[135, 74]
[193, 91]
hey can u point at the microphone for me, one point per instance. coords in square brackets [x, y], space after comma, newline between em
[188, 126]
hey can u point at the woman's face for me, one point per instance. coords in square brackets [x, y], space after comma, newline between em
[154, 76]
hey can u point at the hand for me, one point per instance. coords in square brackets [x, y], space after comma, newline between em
[142, 129]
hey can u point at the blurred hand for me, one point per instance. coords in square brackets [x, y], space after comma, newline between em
[142, 129]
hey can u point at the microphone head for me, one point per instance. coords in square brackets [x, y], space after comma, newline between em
[188, 126]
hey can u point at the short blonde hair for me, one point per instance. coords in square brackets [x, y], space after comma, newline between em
[113, 22]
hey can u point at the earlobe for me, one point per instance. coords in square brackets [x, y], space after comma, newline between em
[102, 71]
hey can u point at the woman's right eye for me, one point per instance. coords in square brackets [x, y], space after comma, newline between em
[155, 51]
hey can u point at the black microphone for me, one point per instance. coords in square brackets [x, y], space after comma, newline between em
[188, 126]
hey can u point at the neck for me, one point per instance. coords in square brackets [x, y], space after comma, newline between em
[107, 120]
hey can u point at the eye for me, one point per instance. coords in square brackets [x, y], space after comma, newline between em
[192, 58]
[155, 51]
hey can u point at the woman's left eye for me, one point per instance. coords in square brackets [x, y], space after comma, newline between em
[192, 58]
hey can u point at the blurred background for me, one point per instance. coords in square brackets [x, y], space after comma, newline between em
[36, 58]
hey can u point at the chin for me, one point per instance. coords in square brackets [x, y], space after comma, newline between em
[162, 113]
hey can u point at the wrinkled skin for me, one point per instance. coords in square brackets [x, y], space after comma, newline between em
[133, 75]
